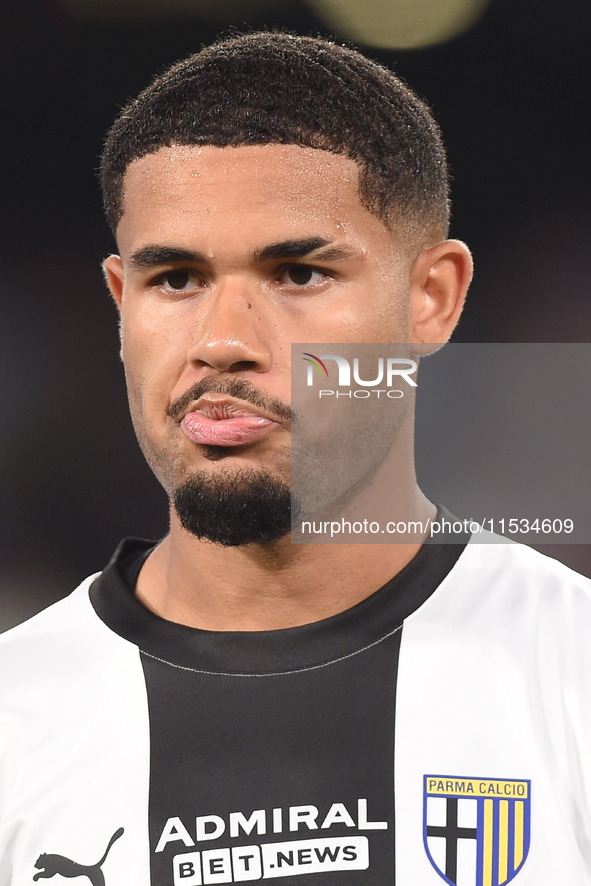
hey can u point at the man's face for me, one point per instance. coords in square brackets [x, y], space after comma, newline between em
[228, 255]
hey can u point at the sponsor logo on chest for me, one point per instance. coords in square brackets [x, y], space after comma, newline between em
[270, 859]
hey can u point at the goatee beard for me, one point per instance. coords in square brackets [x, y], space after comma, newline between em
[238, 508]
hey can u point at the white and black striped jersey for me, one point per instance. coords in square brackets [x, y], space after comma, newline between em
[439, 731]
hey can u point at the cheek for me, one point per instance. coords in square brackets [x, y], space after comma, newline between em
[150, 354]
[369, 315]
[388, 312]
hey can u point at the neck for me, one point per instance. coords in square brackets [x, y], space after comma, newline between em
[267, 587]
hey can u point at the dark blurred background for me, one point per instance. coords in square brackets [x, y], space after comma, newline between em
[510, 83]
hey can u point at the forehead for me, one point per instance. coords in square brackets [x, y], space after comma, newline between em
[259, 191]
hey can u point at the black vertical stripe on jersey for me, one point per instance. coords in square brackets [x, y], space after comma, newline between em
[226, 743]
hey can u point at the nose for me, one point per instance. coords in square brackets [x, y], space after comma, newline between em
[231, 333]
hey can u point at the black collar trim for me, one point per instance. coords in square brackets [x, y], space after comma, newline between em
[265, 652]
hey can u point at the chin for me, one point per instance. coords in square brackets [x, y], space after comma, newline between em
[234, 507]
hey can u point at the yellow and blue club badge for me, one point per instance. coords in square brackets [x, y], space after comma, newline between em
[476, 830]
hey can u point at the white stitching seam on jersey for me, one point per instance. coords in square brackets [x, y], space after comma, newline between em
[275, 673]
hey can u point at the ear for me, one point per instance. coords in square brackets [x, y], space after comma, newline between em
[439, 281]
[113, 271]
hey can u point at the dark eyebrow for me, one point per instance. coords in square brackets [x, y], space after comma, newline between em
[302, 248]
[151, 256]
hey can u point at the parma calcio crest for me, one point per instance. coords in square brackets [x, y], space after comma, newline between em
[476, 830]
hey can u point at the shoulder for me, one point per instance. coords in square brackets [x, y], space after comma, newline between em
[43, 656]
[498, 562]
[508, 620]
[65, 618]
[62, 667]
[500, 589]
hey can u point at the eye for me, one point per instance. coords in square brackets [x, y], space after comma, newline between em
[302, 275]
[177, 280]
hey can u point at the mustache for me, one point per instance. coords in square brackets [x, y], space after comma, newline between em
[238, 388]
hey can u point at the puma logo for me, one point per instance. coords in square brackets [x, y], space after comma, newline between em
[58, 864]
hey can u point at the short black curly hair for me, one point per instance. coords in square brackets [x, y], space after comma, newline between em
[274, 87]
